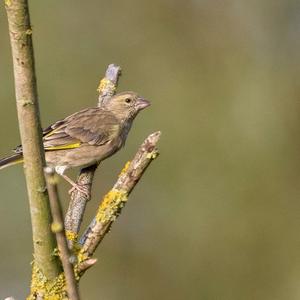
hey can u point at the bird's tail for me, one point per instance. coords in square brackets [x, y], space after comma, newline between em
[11, 160]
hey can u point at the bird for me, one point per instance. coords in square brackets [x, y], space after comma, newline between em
[86, 137]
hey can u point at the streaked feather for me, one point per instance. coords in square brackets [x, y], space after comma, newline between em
[11, 160]
[94, 126]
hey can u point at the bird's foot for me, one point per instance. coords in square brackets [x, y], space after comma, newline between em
[84, 189]
[81, 188]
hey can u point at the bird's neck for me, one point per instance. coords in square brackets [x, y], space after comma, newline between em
[126, 125]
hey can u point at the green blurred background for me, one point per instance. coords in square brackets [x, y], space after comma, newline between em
[217, 216]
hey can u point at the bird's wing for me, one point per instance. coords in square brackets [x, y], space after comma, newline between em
[93, 126]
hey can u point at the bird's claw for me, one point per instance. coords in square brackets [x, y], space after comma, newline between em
[81, 188]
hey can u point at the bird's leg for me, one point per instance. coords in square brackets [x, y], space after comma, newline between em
[84, 189]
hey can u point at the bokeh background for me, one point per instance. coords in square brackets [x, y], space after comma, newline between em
[217, 216]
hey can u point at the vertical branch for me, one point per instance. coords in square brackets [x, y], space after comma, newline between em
[30, 130]
[58, 228]
[106, 89]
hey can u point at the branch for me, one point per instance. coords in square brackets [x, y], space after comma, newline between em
[115, 199]
[108, 85]
[31, 136]
[77, 205]
[107, 88]
[58, 228]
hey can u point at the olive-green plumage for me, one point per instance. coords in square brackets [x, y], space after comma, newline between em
[88, 136]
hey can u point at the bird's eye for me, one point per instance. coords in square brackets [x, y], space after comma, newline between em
[127, 100]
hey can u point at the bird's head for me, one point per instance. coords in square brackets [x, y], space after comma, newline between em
[126, 105]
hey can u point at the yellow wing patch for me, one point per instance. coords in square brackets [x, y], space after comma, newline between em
[60, 147]
[50, 133]
[63, 147]
[17, 161]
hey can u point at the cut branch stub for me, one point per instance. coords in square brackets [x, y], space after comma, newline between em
[108, 85]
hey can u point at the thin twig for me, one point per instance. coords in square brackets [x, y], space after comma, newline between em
[107, 88]
[31, 136]
[115, 199]
[58, 228]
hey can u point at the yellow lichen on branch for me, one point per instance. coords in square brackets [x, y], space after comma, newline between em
[106, 84]
[124, 170]
[110, 205]
[71, 235]
[54, 289]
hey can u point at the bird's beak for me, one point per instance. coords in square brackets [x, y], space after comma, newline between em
[142, 103]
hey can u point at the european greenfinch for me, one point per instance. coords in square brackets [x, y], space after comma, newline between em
[88, 136]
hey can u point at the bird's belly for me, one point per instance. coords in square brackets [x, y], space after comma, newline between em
[82, 156]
